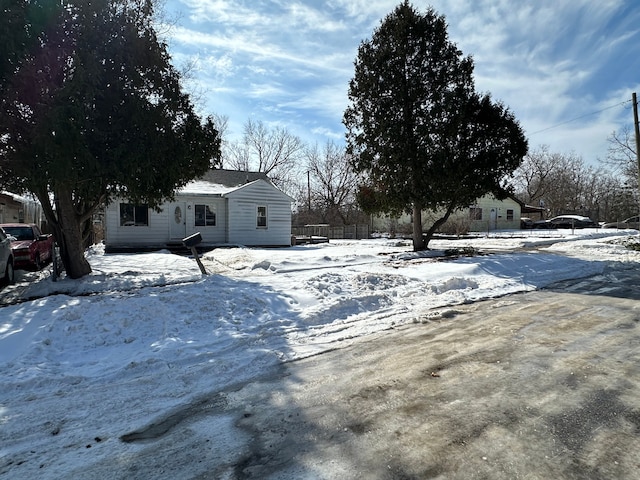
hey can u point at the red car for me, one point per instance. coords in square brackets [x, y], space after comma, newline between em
[31, 249]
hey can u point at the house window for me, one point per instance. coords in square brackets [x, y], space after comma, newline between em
[134, 215]
[475, 213]
[205, 216]
[262, 217]
[509, 214]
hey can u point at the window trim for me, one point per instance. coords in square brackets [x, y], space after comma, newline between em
[136, 207]
[207, 207]
[475, 213]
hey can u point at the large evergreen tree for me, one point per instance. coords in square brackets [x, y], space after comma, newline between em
[91, 108]
[416, 127]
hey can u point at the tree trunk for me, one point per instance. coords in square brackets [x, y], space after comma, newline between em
[437, 225]
[69, 236]
[418, 240]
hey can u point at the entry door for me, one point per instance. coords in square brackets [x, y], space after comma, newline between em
[178, 220]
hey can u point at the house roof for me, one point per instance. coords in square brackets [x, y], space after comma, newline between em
[201, 187]
[532, 209]
[233, 178]
[17, 198]
[220, 183]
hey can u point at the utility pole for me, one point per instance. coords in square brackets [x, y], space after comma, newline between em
[309, 189]
[637, 130]
[636, 126]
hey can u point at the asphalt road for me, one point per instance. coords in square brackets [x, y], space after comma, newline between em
[542, 385]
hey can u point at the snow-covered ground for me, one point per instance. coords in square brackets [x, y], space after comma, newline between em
[89, 360]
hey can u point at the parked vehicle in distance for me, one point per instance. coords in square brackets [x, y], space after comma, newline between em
[631, 222]
[542, 224]
[6, 260]
[31, 249]
[573, 221]
[526, 223]
[566, 221]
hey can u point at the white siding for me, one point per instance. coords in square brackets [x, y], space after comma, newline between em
[243, 205]
[210, 234]
[155, 234]
[236, 220]
[486, 203]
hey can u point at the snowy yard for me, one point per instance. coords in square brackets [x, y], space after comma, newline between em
[90, 364]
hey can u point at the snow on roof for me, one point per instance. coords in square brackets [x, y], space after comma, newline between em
[575, 217]
[19, 198]
[202, 187]
[220, 182]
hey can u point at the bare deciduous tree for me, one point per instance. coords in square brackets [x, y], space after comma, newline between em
[236, 156]
[274, 151]
[621, 155]
[334, 184]
[532, 177]
[564, 184]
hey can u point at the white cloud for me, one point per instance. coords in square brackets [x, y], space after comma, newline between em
[266, 90]
[330, 134]
[222, 12]
[549, 61]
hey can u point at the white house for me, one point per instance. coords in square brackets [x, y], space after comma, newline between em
[224, 206]
[487, 213]
[19, 209]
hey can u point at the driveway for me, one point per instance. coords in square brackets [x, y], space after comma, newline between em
[11, 294]
[542, 385]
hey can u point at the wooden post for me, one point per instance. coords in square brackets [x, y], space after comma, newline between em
[197, 257]
[190, 242]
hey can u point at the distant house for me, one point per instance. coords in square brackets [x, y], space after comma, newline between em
[19, 209]
[488, 213]
[225, 206]
[485, 214]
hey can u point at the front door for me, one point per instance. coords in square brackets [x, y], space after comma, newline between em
[177, 220]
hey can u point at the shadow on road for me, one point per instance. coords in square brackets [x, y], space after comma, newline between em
[539, 385]
[619, 279]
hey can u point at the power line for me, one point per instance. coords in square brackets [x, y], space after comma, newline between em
[581, 116]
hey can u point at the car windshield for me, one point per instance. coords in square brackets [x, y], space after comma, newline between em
[21, 233]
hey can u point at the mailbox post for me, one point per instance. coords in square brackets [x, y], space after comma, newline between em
[190, 242]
